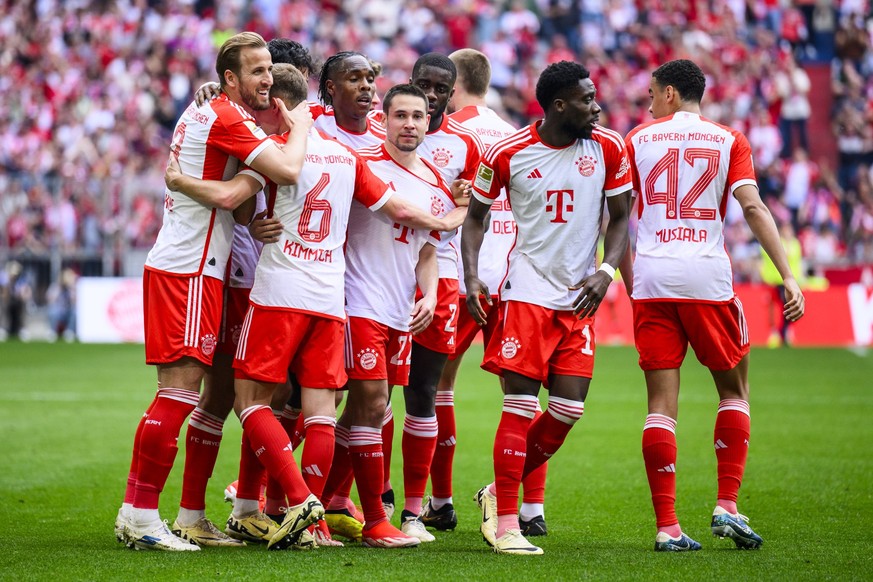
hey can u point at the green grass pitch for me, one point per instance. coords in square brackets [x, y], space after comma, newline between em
[68, 412]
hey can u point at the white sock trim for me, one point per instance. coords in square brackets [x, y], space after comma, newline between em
[565, 410]
[521, 404]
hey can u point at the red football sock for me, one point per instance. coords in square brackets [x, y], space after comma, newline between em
[158, 443]
[659, 454]
[510, 446]
[130, 490]
[201, 451]
[274, 495]
[533, 485]
[251, 472]
[444, 455]
[731, 438]
[365, 449]
[292, 422]
[419, 442]
[273, 449]
[334, 495]
[318, 452]
[387, 446]
[547, 434]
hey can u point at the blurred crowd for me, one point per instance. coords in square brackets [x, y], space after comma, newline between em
[92, 90]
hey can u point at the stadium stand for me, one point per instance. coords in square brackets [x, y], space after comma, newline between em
[92, 90]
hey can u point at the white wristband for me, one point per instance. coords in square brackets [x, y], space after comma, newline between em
[608, 269]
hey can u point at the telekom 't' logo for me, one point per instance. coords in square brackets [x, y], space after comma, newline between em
[563, 202]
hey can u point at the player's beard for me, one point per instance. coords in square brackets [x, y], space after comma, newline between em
[252, 99]
[406, 147]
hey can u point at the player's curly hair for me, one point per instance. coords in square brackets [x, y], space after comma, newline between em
[684, 76]
[557, 78]
[285, 50]
[404, 89]
[328, 69]
[435, 60]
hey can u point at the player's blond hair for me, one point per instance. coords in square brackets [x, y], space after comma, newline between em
[289, 85]
[474, 71]
[229, 53]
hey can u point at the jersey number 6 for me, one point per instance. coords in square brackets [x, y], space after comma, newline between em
[313, 204]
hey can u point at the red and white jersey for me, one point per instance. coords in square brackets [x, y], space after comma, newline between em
[455, 151]
[325, 121]
[305, 270]
[500, 235]
[245, 251]
[210, 141]
[556, 196]
[683, 167]
[382, 255]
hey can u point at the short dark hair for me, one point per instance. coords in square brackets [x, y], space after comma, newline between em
[556, 79]
[328, 69]
[435, 60]
[474, 70]
[684, 76]
[404, 89]
[285, 50]
[289, 85]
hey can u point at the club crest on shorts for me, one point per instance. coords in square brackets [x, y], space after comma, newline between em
[235, 333]
[509, 347]
[207, 344]
[367, 358]
[441, 157]
[586, 165]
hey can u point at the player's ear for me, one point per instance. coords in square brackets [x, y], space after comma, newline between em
[230, 78]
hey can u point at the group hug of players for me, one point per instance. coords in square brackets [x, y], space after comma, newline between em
[310, 251]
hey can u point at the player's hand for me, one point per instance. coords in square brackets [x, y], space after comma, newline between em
[299, 117]
[265, 230]
[795, 304]
[173, 171]
[207, 92]
[593, 290]
[461, 191]
[476, 288]
[422, 314]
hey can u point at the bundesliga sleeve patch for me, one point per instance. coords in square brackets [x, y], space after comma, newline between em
[253, 127]
[484, 178]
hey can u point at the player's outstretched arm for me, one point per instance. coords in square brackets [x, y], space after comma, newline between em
[406, 214]
[207, 92]
[593, 288]
[427, 276]
[471, 242]
[227, 195]
[764, 228]
[283, 164]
